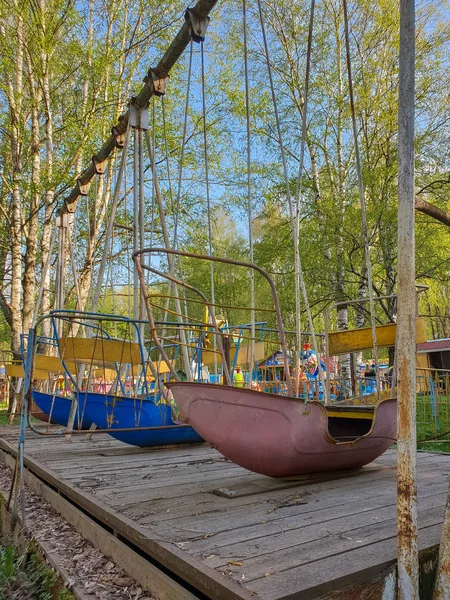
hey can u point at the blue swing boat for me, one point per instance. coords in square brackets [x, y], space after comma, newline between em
[57, 408]
[120, 412]
[128, 401]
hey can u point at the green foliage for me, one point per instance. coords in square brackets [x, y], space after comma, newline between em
[28, 575]
[93, 56]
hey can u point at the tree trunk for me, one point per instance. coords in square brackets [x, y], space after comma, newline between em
[29, 276]
[49, 193]
[15, 102]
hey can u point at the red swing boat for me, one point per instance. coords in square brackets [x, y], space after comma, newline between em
[281, 436]
[277, 435]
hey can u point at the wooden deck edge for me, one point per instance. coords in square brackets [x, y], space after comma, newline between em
[12, 527]
[145, 573]
[201, 577]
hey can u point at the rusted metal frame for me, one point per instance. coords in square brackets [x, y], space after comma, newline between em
[62, 224]
[18, 485]
[296, 232]
[193, 15]
[249, 189]
[75, 317]
[407, 528]
[115, 429]
[205, 299]
[271, 310]
[162, 218]
[111, 224]
[136, 220]
[77, 314]
[239, 263]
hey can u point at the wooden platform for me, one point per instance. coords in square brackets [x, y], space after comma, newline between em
[232, 534]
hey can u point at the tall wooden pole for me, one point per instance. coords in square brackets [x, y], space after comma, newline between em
[408, 562]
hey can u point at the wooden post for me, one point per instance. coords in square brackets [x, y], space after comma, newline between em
[408, 562]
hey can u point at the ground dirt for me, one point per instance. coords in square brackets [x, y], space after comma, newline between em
[88, 568]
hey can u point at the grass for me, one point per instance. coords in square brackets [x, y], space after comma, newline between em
[4, 417]
[27, 576]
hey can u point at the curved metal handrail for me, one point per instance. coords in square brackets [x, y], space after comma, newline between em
[228, 261]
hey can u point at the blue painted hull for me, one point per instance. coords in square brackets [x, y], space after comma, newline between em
[61, 409]
[110, 412]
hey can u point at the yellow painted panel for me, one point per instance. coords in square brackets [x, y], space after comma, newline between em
[350, 415]
[136, 370]
[243, 357]
[370, 399]
[354, 340]
[244, 354]
[422, 361]
[42, 374]
[53, 364]
[14, 371]
[100, 351]
[40, 370]
[161, 367]
[18, 371]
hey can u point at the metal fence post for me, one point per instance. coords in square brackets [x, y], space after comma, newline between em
[408, 562]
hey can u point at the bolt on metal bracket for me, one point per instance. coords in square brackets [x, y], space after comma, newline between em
[83, 188]
[120, 140]
[159, 81]
[99, 166]
[198, 25]
[71, 207]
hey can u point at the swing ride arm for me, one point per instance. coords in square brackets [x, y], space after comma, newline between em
[154, 83]
[227, 261]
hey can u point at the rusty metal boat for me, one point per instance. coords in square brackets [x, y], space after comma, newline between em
[281, 436]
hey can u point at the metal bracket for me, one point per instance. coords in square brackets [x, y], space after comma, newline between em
[138, 117]
[198, 25]
[83, 188]
[159, 82]
[120, 140]
[100, 167]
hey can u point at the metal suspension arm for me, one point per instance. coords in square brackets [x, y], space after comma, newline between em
[237, 263]
[154, 83]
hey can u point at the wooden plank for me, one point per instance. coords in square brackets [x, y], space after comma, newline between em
[145, 573]
[350, 567]
[288, 531]
[239, 517]
[180, 513]
[203, 578]
[290, 482]
[322, 538]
